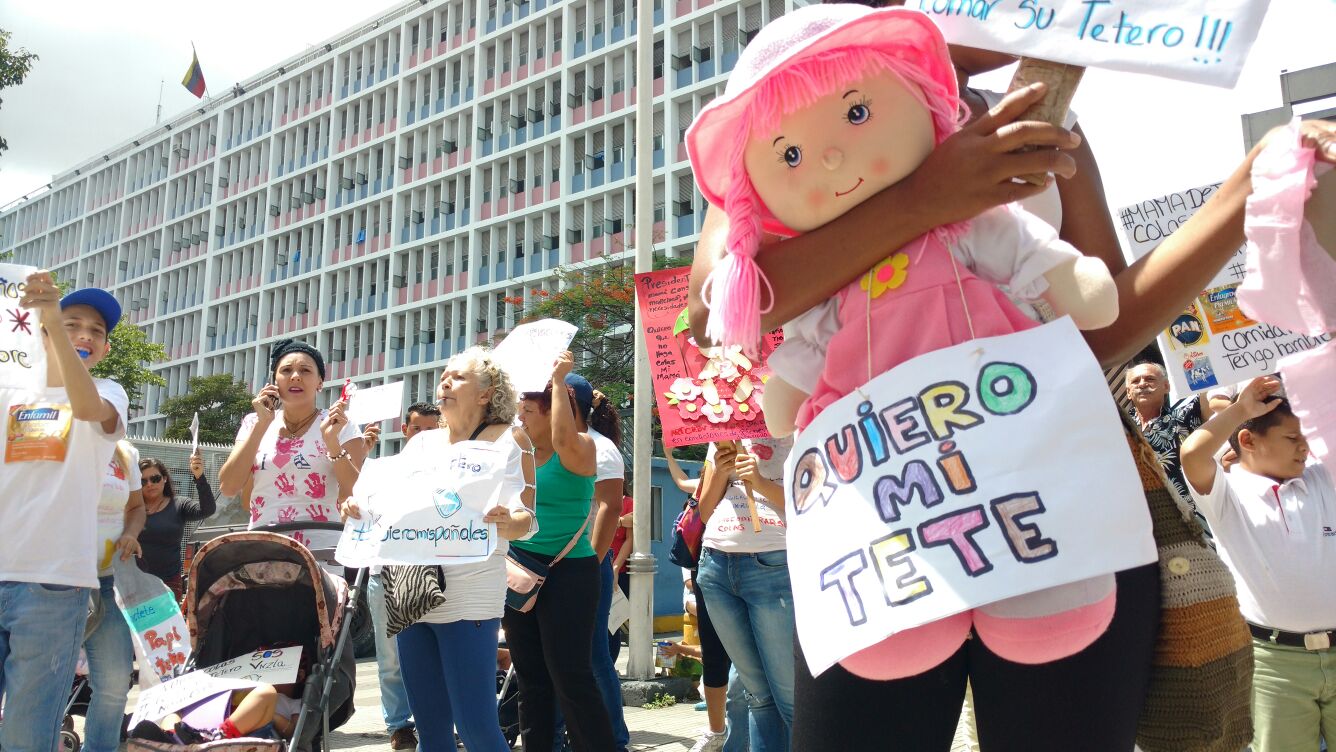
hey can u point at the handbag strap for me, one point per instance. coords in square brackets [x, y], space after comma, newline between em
[574, 538]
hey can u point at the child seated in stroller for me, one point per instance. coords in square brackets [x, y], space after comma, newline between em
[265, 711]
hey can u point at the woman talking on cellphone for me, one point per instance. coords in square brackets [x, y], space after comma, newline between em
[292, 460]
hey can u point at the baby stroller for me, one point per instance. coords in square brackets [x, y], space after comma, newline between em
[257, 588]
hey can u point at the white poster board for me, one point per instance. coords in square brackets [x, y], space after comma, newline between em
[1212, 342]
[274, 666]
[987, 470]
[426, 508]
[530, 350]
[22, 357]
[376, 403]
[1202, 41]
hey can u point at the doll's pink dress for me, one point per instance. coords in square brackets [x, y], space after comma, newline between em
[918, 306]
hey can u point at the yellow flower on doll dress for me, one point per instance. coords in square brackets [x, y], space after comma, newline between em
[887, 275]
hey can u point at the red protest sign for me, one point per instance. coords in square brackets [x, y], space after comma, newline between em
[703, 395]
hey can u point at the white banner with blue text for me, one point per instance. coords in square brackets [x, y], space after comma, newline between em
[1203, 41]
[425, 511]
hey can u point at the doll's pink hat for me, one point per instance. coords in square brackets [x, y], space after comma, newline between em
[713, 135]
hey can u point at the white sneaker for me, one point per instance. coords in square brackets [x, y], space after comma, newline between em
[710, 741]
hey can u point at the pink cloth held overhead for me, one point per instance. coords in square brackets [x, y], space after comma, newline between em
[1308, 377]
[1291, 280]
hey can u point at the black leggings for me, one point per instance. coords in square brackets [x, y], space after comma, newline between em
[550, 646]
[714, 659]
[1090, 701]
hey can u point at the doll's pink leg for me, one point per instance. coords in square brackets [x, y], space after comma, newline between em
[1041, 639]
[912, 651]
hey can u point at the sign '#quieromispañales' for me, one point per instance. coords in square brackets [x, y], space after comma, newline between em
[427, 507]
[965, 476]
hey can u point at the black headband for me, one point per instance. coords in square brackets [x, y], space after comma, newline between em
[290, 346]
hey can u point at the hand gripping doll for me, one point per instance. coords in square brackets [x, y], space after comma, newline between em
[828, 105]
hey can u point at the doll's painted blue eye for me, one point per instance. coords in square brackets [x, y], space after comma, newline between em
[793, 156]
[859, 114]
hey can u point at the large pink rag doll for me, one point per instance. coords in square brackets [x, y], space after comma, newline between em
[828, 105]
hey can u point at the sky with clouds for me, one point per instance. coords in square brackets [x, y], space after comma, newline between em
[98, 80]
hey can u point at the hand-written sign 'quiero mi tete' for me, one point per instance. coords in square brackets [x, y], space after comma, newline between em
[1203, 41]
[994, 468]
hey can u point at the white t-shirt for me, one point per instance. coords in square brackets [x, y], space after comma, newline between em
[294, 479]
[288, 707]
[730, 525]
[1279, 540]
[117, 484]
[611, 464]
[474, 592]
[49, 486]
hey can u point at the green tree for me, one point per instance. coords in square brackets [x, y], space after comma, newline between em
[221, 402]
[14, 66]
[125, 364]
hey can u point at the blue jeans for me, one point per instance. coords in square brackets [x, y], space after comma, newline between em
[111, 657]
[450, 673]
[735, 708]
[605, 671]
[393, 696]
[751, 606]
[41, 627]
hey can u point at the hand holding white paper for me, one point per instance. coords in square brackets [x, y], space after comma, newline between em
[194, 433]
[22, 356]
[527, 353]
[374, 404]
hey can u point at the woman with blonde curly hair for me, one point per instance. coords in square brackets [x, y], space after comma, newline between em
[446, 619]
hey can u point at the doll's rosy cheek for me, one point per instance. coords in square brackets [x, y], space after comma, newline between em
[816, 198]
[881, 166]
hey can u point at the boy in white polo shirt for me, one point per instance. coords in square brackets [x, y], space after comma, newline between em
[1274, 519]
[58, 441]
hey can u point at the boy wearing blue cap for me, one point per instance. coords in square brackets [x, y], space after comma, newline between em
[58, 440]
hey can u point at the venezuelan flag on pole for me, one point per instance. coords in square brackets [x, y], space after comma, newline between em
[194, 79]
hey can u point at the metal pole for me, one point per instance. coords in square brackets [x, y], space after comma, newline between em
[641, 565]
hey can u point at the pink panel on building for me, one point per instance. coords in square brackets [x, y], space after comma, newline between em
[577, 252]
[422, 170]
[598, 107]
[412, 60]
[438, 164]
[556, 58]
[618, 101]
[488, 86]
[539, 65]
[505, 78]
[578, 115]
[519, 201]
[553, 191]
[503, 205]
[485, 211]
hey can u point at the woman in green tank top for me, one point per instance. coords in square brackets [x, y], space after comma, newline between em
[562, 619]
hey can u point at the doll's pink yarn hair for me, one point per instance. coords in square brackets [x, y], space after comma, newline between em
[733, 290]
